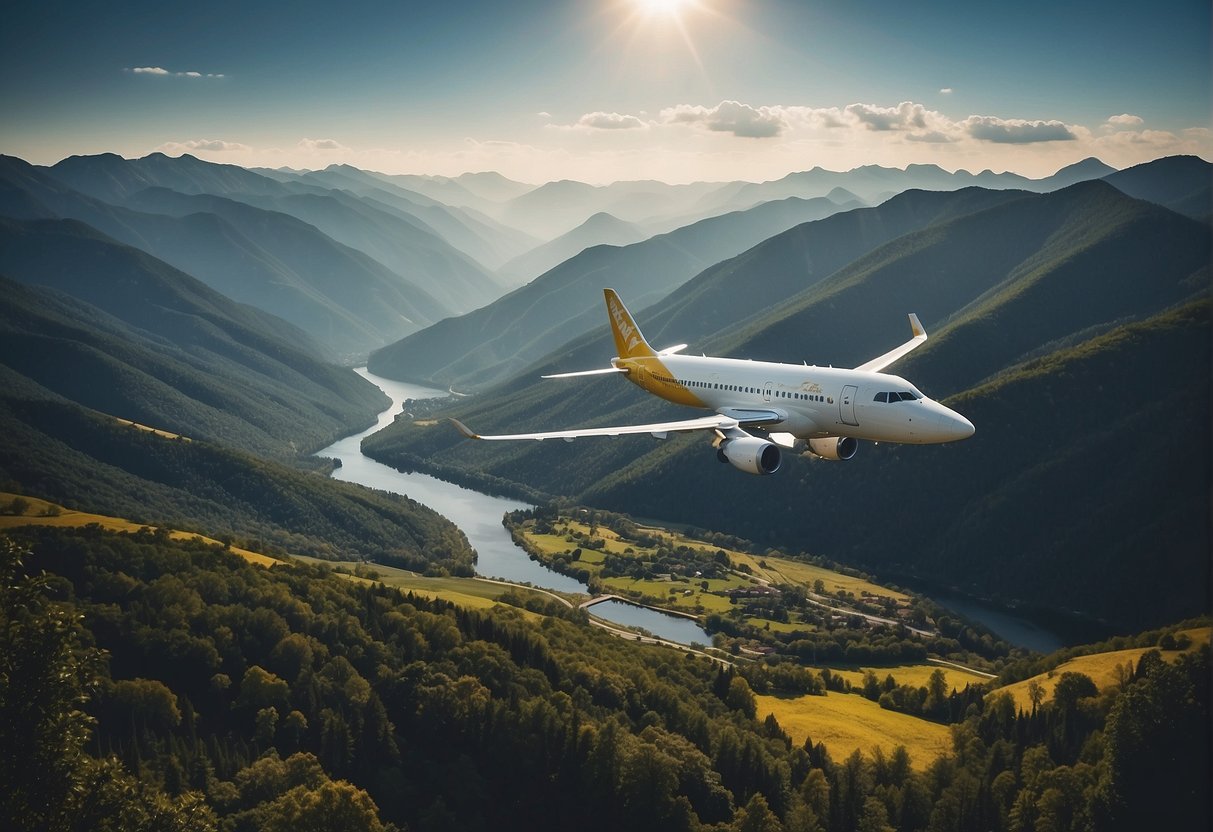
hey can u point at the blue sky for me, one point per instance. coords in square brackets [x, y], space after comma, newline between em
[601, 90]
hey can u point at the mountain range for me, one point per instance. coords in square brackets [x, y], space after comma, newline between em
[1069, 319]
[496, 341]
[490, 344]
[1040, 294]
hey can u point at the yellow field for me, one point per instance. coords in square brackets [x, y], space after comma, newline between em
[916, 675]
[37, 515]
[846, 722]
[1101, 667]
[763, 569]
[782, 570]
[466, 592]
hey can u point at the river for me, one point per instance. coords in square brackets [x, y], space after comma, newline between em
[479, 517]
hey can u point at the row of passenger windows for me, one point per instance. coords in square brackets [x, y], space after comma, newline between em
[896, 396]
[736, 388]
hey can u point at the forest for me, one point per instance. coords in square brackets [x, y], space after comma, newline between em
[160, 684]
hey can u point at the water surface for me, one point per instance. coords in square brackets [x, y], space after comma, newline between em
[479, 517]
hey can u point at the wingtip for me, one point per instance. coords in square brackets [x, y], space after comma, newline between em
[462, 428]
[916, 326]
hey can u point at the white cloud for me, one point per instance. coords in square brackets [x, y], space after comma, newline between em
[1124, 120]
[905, 116]
[610, 121]
[321, 144]
[208, 145]
[931, 137]
[730, 117]
[1016, 130]
[159, 70]
[945, 91]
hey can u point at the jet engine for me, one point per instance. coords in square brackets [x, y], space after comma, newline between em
[840, 448]
[750, 454]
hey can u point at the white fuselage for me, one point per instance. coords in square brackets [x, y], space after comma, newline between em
[815, 401]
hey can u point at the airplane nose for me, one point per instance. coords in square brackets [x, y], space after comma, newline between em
[955, 426]
[947, 425]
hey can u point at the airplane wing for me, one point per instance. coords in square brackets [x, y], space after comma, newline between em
[658, 429]
[602, 372]
[920, 338]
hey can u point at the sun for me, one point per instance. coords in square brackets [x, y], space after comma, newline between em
[665, 8]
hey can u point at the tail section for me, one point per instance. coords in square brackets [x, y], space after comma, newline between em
[629, 342]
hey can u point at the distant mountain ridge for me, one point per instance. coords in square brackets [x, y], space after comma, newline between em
[600, 229]
[348, 301]
[492, 343]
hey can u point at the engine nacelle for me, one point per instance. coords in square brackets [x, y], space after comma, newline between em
[840, 448]
[750, 454]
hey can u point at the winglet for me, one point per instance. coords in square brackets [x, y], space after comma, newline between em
[464, 429]
[920, 338]
[629, 342]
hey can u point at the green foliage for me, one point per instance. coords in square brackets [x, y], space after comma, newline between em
[46, 677]
[403, 711]
[68, 455]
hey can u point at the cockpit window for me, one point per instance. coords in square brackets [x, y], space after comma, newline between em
[893, 396]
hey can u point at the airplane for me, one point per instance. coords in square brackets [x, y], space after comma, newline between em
[762, 407]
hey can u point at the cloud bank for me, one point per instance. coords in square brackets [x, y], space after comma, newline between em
[209, 145]
[730, 117]
[161, 71]
[1016, 131]
[610, 121]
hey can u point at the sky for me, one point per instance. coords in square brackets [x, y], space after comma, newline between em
[607, 90]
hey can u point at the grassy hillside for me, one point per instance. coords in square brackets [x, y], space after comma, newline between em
[846, 722]
[36, 512]
[58, 451]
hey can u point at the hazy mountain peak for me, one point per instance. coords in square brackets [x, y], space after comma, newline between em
[841, 196]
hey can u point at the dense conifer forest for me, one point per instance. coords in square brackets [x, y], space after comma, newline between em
[158, 684]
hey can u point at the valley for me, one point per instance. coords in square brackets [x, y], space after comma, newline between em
[246, 587]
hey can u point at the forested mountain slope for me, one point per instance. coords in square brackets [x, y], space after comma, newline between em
[187, 375]
[1031, 277]
[285, 698]
[60, 451]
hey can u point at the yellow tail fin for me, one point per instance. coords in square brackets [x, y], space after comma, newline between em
[629, 342]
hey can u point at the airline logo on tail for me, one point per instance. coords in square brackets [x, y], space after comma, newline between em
[628, 339]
